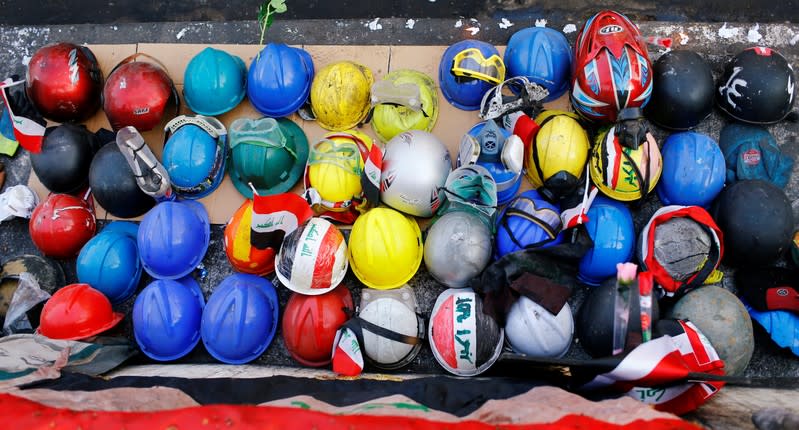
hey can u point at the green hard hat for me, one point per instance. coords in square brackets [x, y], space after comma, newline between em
[268, 153]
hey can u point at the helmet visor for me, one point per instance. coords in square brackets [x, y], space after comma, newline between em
[344, 155]
[547, 218]
[264, 132]
[406, 94]
[470, 63]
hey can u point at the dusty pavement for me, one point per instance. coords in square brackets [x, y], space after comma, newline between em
[715, 41]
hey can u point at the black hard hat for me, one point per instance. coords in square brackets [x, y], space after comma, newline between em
[757, 221]
[682, 92]
[757, 86]
[63, 164]
[114, 186]
[596, 317]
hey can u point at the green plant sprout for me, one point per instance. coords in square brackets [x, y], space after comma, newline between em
[266, 16]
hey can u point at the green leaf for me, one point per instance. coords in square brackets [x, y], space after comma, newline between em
[278, 5]
[263, 11]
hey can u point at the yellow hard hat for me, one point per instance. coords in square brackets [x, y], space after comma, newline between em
[404, 100]
[622, 173]
[556, 158]
[335, 165]
[340, 95]
[385, 248]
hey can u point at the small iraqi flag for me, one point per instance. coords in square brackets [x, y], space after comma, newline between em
[29, 126]
[275, 216]
[347, 355]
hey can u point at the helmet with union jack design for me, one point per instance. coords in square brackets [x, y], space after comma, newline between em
[612, 68]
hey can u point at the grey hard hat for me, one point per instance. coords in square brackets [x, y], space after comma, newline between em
[457, 249]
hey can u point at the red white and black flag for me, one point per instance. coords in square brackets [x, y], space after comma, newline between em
[649, 372]
[275, 216]
[29, 126]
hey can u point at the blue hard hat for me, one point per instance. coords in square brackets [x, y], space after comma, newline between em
[173, 238]
[528, 221]
[781, 325]
[544, 56]
[693, 170]
[214, 82]
[166, 318]
[279, 80]
[610, 226]
[508, 182]
[461, 90]
[109, 262]
[240, 319]
[194, 160]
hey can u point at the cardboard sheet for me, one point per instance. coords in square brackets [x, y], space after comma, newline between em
[223, 202]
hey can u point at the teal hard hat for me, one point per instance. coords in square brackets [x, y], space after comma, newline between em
[214, 82]
[266, 154]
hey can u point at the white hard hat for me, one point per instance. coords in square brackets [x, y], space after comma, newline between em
[532, 330]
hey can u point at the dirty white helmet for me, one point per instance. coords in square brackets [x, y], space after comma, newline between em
[530, 329]
[392, 330]
[458, 248]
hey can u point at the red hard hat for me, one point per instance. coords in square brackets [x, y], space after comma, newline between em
[310, 324]
[61, 225]
[75, 312]
[137, 93]
[64, 82]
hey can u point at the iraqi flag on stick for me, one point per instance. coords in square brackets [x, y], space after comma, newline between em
[29, 126]
[275, 216]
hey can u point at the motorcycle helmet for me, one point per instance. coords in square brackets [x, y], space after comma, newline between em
[334, 169]
[63, 163]
[195, 150]
[76, 312]
[267, 154]
[610, 226]
[612, 70]
[757, 86]
[557, 155]
[64, 82]
[340, 95]
[681, 246]
[173, 238]
[310, 324]
[693, 170]
[527, 222]
[110, 262]
[403, 100]
[682, 92]
[623, 173]
[598, 315]
[468, 69]
[114, 185]
[385, 248]
[722, 318]
[214, 82]
[457, 248]
[279, 79]
[244, 257]
[415, 168]
[544, 56]
[494, 149]
[530, 329]
[166, 318]
[757, 221]
[465, 341]
[240, 319]
[313, 258]
[61, 225]
[138, 93]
